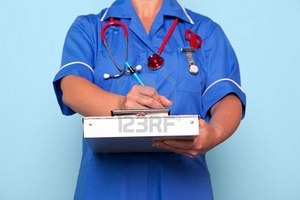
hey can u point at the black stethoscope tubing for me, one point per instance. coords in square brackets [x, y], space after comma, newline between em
[112, 22]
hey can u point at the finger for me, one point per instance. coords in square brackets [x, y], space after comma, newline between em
[146, 96]
[134, 106]
[189, 153]
[148, 102]
[138, 97]
[132, 103]
[180, 144]
[165, 101]
[161, 145]
[150, 92]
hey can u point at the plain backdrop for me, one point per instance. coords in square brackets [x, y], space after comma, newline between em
[40, 149]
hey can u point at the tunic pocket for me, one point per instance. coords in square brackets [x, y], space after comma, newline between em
[188, 98]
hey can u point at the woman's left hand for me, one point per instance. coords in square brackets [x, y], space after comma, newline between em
[205, 141]
[226, 116]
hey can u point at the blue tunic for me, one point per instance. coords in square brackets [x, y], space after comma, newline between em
[150, 175]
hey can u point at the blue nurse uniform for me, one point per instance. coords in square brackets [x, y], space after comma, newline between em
[150, 176]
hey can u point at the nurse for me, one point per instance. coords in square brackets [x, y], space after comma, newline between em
[211, 89]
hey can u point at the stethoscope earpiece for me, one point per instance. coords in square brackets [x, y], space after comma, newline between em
[138, 68]
[106, 76]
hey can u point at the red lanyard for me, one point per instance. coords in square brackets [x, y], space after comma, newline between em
[155, 61]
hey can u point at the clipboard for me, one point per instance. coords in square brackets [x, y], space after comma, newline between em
[134, 130]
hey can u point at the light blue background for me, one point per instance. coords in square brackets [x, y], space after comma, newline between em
[40, 149]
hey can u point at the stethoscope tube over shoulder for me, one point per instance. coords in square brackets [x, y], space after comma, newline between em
[112, 22]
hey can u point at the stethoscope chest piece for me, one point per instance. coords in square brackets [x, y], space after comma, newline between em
[193, 69]
[155, 62]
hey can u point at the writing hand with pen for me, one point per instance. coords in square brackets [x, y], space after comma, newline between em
[144, 97]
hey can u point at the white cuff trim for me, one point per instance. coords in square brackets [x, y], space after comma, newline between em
[77, 62]
[220, 80]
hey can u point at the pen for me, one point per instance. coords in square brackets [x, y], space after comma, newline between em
[134, 74]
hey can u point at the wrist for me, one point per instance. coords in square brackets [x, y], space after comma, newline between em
[219, 134]
[121, 102]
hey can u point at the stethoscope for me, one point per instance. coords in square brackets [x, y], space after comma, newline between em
[122, 70]
[155, 61]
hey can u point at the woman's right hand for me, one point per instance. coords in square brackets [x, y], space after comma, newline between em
[143, 97]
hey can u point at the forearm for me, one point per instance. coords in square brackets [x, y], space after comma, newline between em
[226, 117]
[88, 99]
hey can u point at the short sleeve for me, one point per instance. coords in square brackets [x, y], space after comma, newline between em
[77, 58]
[223, 74]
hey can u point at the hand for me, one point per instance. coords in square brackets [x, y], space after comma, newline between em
[226, 116]
[205, 141]
[143, 97]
